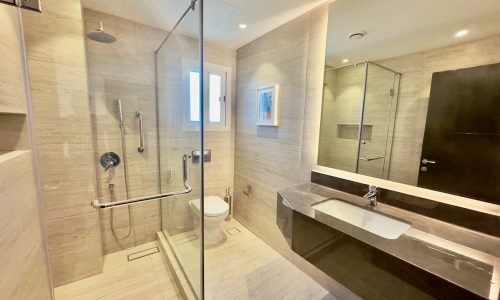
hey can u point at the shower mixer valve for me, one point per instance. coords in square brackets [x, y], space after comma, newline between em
[109, 160]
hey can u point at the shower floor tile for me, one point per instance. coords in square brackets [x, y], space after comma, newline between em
[142, 278]
[241, 266]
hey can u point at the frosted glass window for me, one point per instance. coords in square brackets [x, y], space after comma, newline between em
[215, 93]
[194, 96]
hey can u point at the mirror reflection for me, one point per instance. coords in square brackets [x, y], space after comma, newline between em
[414, 101]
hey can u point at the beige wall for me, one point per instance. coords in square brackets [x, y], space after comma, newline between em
[268, 158]
[124, 70]
[414, 94]
[175, 140]
[62, 133]
[22, 244]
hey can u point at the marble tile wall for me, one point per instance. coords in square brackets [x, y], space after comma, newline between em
[62, 133]
[24, 262]
[268, 158]
[12, 100]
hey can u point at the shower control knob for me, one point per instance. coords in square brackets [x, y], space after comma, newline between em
[423, 169]
[109, 160]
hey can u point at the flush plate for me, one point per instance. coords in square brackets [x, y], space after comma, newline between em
[373, 222]
[207, 155]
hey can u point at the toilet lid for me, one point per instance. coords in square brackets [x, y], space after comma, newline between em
[214, 206]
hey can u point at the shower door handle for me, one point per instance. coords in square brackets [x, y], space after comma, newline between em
[187, 189]
[141, 132]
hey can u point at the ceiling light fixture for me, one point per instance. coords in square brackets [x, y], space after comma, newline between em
[461, 33]
[345, 60]
[243, 26]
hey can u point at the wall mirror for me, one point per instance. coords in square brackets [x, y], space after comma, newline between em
[412, 94]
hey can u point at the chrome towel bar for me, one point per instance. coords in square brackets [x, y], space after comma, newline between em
[188, 189]
[372, 158]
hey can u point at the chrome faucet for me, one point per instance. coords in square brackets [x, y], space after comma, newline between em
[371, 196]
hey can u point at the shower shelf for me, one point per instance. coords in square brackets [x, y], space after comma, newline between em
[6, 156]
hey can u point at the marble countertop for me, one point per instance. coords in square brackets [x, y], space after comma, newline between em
[464, 257]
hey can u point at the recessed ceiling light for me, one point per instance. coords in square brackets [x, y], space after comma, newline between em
[461, 33]
[345, 60]
[243, 26]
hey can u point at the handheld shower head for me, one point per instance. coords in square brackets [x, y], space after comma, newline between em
[101, 36]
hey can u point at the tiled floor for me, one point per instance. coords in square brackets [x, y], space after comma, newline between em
[240, 267]
[143, 278]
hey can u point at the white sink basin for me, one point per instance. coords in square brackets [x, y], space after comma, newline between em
[370, 221]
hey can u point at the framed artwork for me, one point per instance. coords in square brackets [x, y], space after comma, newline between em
[268, 105]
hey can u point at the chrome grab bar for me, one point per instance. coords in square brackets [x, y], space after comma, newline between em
[188, 189]
[141, 132]
[372, 158]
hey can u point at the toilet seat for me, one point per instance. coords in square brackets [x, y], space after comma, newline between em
[214, 206]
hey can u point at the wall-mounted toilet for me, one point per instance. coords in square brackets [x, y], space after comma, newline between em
[216, 211]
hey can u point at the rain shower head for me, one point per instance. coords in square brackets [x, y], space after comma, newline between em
[101, 36]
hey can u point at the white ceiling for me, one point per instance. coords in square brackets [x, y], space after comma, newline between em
[398, 27]
[222, 17]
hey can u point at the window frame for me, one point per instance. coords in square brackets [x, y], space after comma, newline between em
[188, 66]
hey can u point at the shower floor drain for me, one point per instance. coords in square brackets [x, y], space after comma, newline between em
[142, 253]
[233, 231]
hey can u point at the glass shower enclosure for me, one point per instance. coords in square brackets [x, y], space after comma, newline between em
[146, 174]
[179, 90]
[358, 117]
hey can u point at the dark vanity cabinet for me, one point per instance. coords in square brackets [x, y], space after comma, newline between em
[365, 270]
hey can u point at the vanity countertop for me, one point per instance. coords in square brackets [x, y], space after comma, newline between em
[464, 257]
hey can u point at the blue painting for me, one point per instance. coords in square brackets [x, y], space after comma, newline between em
[267, 106]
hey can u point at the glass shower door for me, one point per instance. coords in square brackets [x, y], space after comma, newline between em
[378, 117]
[179, 92]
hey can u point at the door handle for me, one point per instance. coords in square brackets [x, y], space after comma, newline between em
[428, 161]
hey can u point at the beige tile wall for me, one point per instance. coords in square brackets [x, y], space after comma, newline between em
[12, 100]
[24, 264]
[62, 133]
[13, 129]
[124, 70]
[268, 158]
[25, 273]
